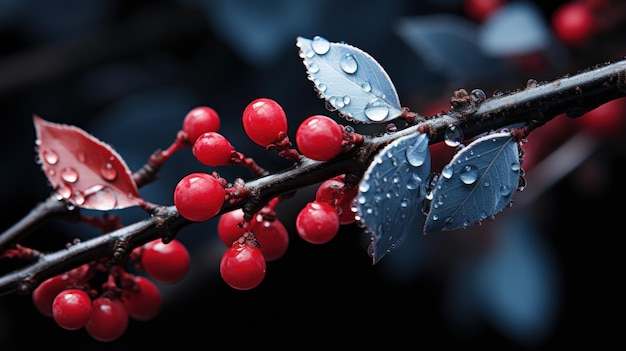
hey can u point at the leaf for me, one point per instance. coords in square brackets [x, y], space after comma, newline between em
[391, 193]
[479, 182]
[82, 169]
[350, 80]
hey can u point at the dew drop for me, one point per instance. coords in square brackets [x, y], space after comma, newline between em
[329, 106]
[321, 87]
[469, 174]
[376, 110]
[364, 187]
[416, 154]
[505, 190]
[50, 156]
[515, 166]
[413, 182]
[447, 172]
[65, 191]
[366, 86]
[101, 197]
[81, 157]
[348, 64]
[346, 99]
[69, 175]
[453, 136]
[320, 45]
[478, 95]
[51, 172]
[108, 172]
[313, 67]
[78, 198]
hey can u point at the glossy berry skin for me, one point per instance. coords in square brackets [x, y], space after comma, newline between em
[317, 222]
[212, 149]
[264, 120]
[335, 192]
[272, 236]
[71, 309]
[200, 120]
[573, 23]
[243, 266]
[167, 263]
[199, 196]
[227, 226]
[44, 294]
[145, 301]
[109, 319]
[319, 138]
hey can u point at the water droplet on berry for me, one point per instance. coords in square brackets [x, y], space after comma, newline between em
[50, 156]
[469, 174]
[453, 136]
[320, 45]
[51, 172]
[108, 172]
[81, 157]
[348, 64]
[376, 110]
[69, 175]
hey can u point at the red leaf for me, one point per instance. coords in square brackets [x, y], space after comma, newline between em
[84, 170]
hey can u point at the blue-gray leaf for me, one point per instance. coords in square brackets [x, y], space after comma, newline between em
[391, 193]
[350, 80]
[479, 182]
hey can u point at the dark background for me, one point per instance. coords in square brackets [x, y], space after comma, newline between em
[129, 71]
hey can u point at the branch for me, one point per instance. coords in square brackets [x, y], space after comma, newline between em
[534, 105]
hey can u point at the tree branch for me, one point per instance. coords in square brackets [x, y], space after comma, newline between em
[535, 104]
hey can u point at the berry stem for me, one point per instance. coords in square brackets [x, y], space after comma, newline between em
[573, 95]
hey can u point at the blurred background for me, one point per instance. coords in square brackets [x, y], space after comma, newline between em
[543, 275]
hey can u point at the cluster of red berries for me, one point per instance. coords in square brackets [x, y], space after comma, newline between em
[74, 303]
[251, 241]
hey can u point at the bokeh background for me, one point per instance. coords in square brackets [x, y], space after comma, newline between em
[543, 275]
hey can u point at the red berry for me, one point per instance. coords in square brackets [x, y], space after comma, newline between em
[243, 265]
[71, 309]
[319, 138]
[480, 10]
[228, 226]
[199, 196]
[264, 121]
[143, 300]
[335, 192]
[213, 149]
[573, 23]
[167, 263]
[606, 120]
[317, 222]
[45, 293]
[108, 321]
[200, 120]
[272, 236]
